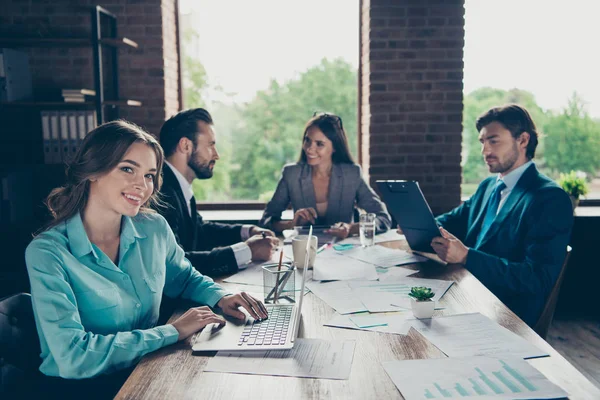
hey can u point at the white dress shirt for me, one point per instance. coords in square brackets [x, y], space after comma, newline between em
[241, 251]
[510, 180]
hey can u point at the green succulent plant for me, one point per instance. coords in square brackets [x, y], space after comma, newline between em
[572, 184]
[421, 293]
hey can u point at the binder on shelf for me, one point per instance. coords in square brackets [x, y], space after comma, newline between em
[62, 133]
[65, 153]
[54, 138]
[81, 128]
[73, 134]
[91, 121]
[46, 136]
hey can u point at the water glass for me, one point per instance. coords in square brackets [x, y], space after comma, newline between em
[367, 229]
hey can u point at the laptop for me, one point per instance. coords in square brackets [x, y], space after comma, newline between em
[406, 203]
[278, 332]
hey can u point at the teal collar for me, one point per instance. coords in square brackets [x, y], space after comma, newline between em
[80, 243]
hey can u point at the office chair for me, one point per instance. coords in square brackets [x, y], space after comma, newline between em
[545, 319]
[19, 345]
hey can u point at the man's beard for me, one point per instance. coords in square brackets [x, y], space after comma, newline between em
[508, 164]
[202, 171]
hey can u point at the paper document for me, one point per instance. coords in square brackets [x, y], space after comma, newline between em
[472, 377]
[367, 320]
[331, 265]
[383, 256]
[309, 358]
[395, 273]
[474, 335]
[390, 294]
[337, 295]
[395, 323]
[388, 236]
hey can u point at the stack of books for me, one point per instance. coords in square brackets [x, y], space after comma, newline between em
[78, 95]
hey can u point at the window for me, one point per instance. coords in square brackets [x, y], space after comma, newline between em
[535, 53]
[262, 68]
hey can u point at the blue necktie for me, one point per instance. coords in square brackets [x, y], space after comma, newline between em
[492, 210]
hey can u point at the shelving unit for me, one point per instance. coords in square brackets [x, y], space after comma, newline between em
[65, 42]
[25, 176]
[97, 41]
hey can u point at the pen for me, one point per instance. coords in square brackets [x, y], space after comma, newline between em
[277, 277]
[326, 245]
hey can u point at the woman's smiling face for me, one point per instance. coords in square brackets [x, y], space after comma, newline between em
[317, 147]
[129, 185]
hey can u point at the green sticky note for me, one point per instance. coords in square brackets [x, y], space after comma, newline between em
[343, 247]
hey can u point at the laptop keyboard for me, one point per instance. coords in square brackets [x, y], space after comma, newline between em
[272, 331]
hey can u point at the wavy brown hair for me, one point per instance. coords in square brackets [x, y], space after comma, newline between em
[99, 153]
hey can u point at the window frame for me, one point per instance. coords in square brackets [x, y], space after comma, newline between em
[254, 204]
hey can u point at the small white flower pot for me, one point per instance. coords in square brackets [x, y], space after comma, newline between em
[422, 309]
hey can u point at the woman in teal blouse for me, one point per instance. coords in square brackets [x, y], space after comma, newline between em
[99, 271]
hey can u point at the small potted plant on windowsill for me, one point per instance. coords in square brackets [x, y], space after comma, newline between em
[422, 305]
[575, 185]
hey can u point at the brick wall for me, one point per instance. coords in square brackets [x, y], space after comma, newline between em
[170, 55]
[411, 94]
[148, 74]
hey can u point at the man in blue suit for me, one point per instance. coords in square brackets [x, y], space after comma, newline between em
[513, 232]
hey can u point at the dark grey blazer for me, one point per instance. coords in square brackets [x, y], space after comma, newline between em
[347, 189]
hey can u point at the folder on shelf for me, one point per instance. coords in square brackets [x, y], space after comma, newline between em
[54, 138]
[65, 153]
[73, 134]
[46, 136]
[81, 127]
[91, 120]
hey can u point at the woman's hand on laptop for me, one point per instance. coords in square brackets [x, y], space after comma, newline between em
[398, 230]
[195, 319]
[230, 305]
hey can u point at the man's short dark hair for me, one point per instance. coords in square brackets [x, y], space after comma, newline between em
[514, 118]
[182, 124]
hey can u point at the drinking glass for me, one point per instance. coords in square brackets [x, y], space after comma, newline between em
[367, 229]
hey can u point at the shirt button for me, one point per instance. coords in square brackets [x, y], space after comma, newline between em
[138, 305]
[125, 278]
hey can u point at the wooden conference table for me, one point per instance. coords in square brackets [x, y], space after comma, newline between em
[174, 372]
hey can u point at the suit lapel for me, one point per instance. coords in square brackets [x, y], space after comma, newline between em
[334, 197]
[515, 195]
[308, 190]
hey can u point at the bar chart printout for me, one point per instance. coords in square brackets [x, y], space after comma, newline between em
[470, 377]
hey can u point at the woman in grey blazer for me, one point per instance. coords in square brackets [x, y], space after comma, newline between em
[325, 185]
